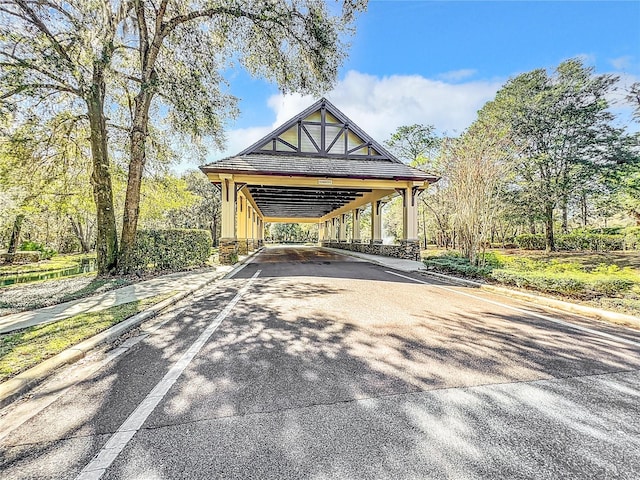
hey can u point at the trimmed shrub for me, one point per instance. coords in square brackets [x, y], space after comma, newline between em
[173, 249]
[453, 263]
[565, 278]
[581, 240]
[540, 281]
[531, 241]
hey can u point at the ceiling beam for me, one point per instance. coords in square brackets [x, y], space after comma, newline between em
[368, 198]
[320, 182]
[275, 219]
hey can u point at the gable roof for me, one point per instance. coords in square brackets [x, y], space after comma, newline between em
[321, 130]
[320, 141]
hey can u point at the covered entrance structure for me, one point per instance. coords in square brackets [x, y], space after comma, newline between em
[319, 167]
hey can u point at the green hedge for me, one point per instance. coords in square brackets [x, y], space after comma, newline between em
[629, 239]
[531, 241]
[173, 249]
[599, 242]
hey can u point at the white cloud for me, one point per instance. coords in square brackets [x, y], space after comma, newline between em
[457, 75]
[621, 63]
[379, 105]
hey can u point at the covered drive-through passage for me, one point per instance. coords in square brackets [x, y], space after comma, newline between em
[319, 167]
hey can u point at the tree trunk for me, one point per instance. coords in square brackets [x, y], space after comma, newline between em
[138, 138]
[15, 234]
[106, 234]
[565, 215]
[548, 223]
[80, 235]
[584, 210]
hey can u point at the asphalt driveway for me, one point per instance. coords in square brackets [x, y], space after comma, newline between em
[310, 364]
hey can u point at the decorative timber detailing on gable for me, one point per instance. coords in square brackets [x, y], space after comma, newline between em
[321, 131]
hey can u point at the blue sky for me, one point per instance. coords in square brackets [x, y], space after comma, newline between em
[438, 62]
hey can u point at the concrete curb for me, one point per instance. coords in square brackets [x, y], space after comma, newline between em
[591, 312]
[21, 383]
[362, 256]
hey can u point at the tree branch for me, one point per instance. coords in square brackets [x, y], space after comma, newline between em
[26, 64]
[37, 22]
[36, 86]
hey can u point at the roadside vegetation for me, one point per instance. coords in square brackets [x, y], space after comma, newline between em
[25, 348]
[607, 280]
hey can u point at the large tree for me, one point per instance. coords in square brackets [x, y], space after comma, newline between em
[561, 127]
[57, 55]
[181, 49]
[414, 143]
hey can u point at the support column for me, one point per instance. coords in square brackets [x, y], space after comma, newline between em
[242, 224]
[228, 249]
[251, 229]
[409, 215]
[343, 228]
[260, 232]
[376, 222]
[355, 221]
[255, 230]
[410, 223]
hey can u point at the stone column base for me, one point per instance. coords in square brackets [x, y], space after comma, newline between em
[410, 249]
[228, 251]
[243, 247]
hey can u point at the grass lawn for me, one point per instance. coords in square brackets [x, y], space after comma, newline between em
[25, 348]
[629, 258]
[609, 280]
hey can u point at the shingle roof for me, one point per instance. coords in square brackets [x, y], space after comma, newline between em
[306, 166]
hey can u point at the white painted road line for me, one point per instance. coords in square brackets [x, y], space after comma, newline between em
[522, 310]
[20, 413]
[116, 443]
